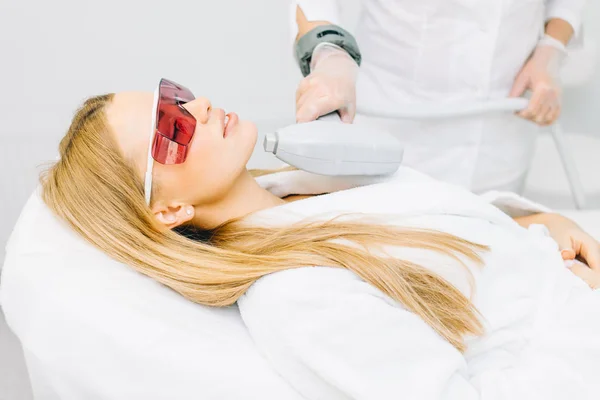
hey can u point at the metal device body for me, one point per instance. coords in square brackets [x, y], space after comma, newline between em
[329, 147]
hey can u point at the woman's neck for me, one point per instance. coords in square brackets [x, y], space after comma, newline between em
[296, 197]
[245, 197]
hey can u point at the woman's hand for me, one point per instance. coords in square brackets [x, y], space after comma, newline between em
[573, 241]
[589, 276]
[574, 244]
[540, 76]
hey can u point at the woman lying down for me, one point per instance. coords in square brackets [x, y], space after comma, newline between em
[407, 288]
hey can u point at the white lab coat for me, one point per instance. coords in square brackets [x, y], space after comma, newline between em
[450, 51]
[333, 336]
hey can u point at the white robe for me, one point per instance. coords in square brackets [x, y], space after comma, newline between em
[333, 336]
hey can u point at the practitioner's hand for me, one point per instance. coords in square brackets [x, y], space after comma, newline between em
[330, 86]
[540, 76]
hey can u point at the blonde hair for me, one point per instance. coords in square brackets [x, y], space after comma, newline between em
[97, 191]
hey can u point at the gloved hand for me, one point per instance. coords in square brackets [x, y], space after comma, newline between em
[540, 74]
[330, 86]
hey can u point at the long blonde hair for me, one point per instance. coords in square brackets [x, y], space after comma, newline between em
[97, 191]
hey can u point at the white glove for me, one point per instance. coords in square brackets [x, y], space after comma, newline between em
[330, 86]
[540, 74]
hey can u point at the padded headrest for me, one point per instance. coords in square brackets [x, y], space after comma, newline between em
[93, 324]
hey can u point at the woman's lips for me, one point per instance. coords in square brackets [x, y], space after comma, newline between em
[231, 120]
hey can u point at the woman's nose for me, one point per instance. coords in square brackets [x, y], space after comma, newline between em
[200, 108]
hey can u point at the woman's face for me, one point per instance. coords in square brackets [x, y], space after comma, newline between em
[216, 158]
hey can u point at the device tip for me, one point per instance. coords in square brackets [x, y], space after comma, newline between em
[270, 143]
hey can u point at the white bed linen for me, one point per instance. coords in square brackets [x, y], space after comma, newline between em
[94, 329]
[333, 336]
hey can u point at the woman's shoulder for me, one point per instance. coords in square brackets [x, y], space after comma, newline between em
[394, 194]
[298, 182]
[301, 289]
[302, 280]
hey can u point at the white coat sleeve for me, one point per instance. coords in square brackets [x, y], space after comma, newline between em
[334, 336]
[568, 10]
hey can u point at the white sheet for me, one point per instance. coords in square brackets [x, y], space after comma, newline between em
[94, 329]
[333, 336]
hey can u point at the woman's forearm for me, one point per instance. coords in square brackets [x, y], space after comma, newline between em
[540, 218]
[559, 29]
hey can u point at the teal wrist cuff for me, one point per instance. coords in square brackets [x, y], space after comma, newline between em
[325, 34]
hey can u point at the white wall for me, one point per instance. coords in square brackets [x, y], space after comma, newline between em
[55, 53]
[583, 103]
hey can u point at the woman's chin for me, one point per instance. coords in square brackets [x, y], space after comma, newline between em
[250, 130]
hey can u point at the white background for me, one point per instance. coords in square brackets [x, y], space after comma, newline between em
[53, 54]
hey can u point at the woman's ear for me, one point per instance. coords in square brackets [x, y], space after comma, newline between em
[173, 215]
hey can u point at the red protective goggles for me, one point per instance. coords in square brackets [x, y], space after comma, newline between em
[174, 126]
